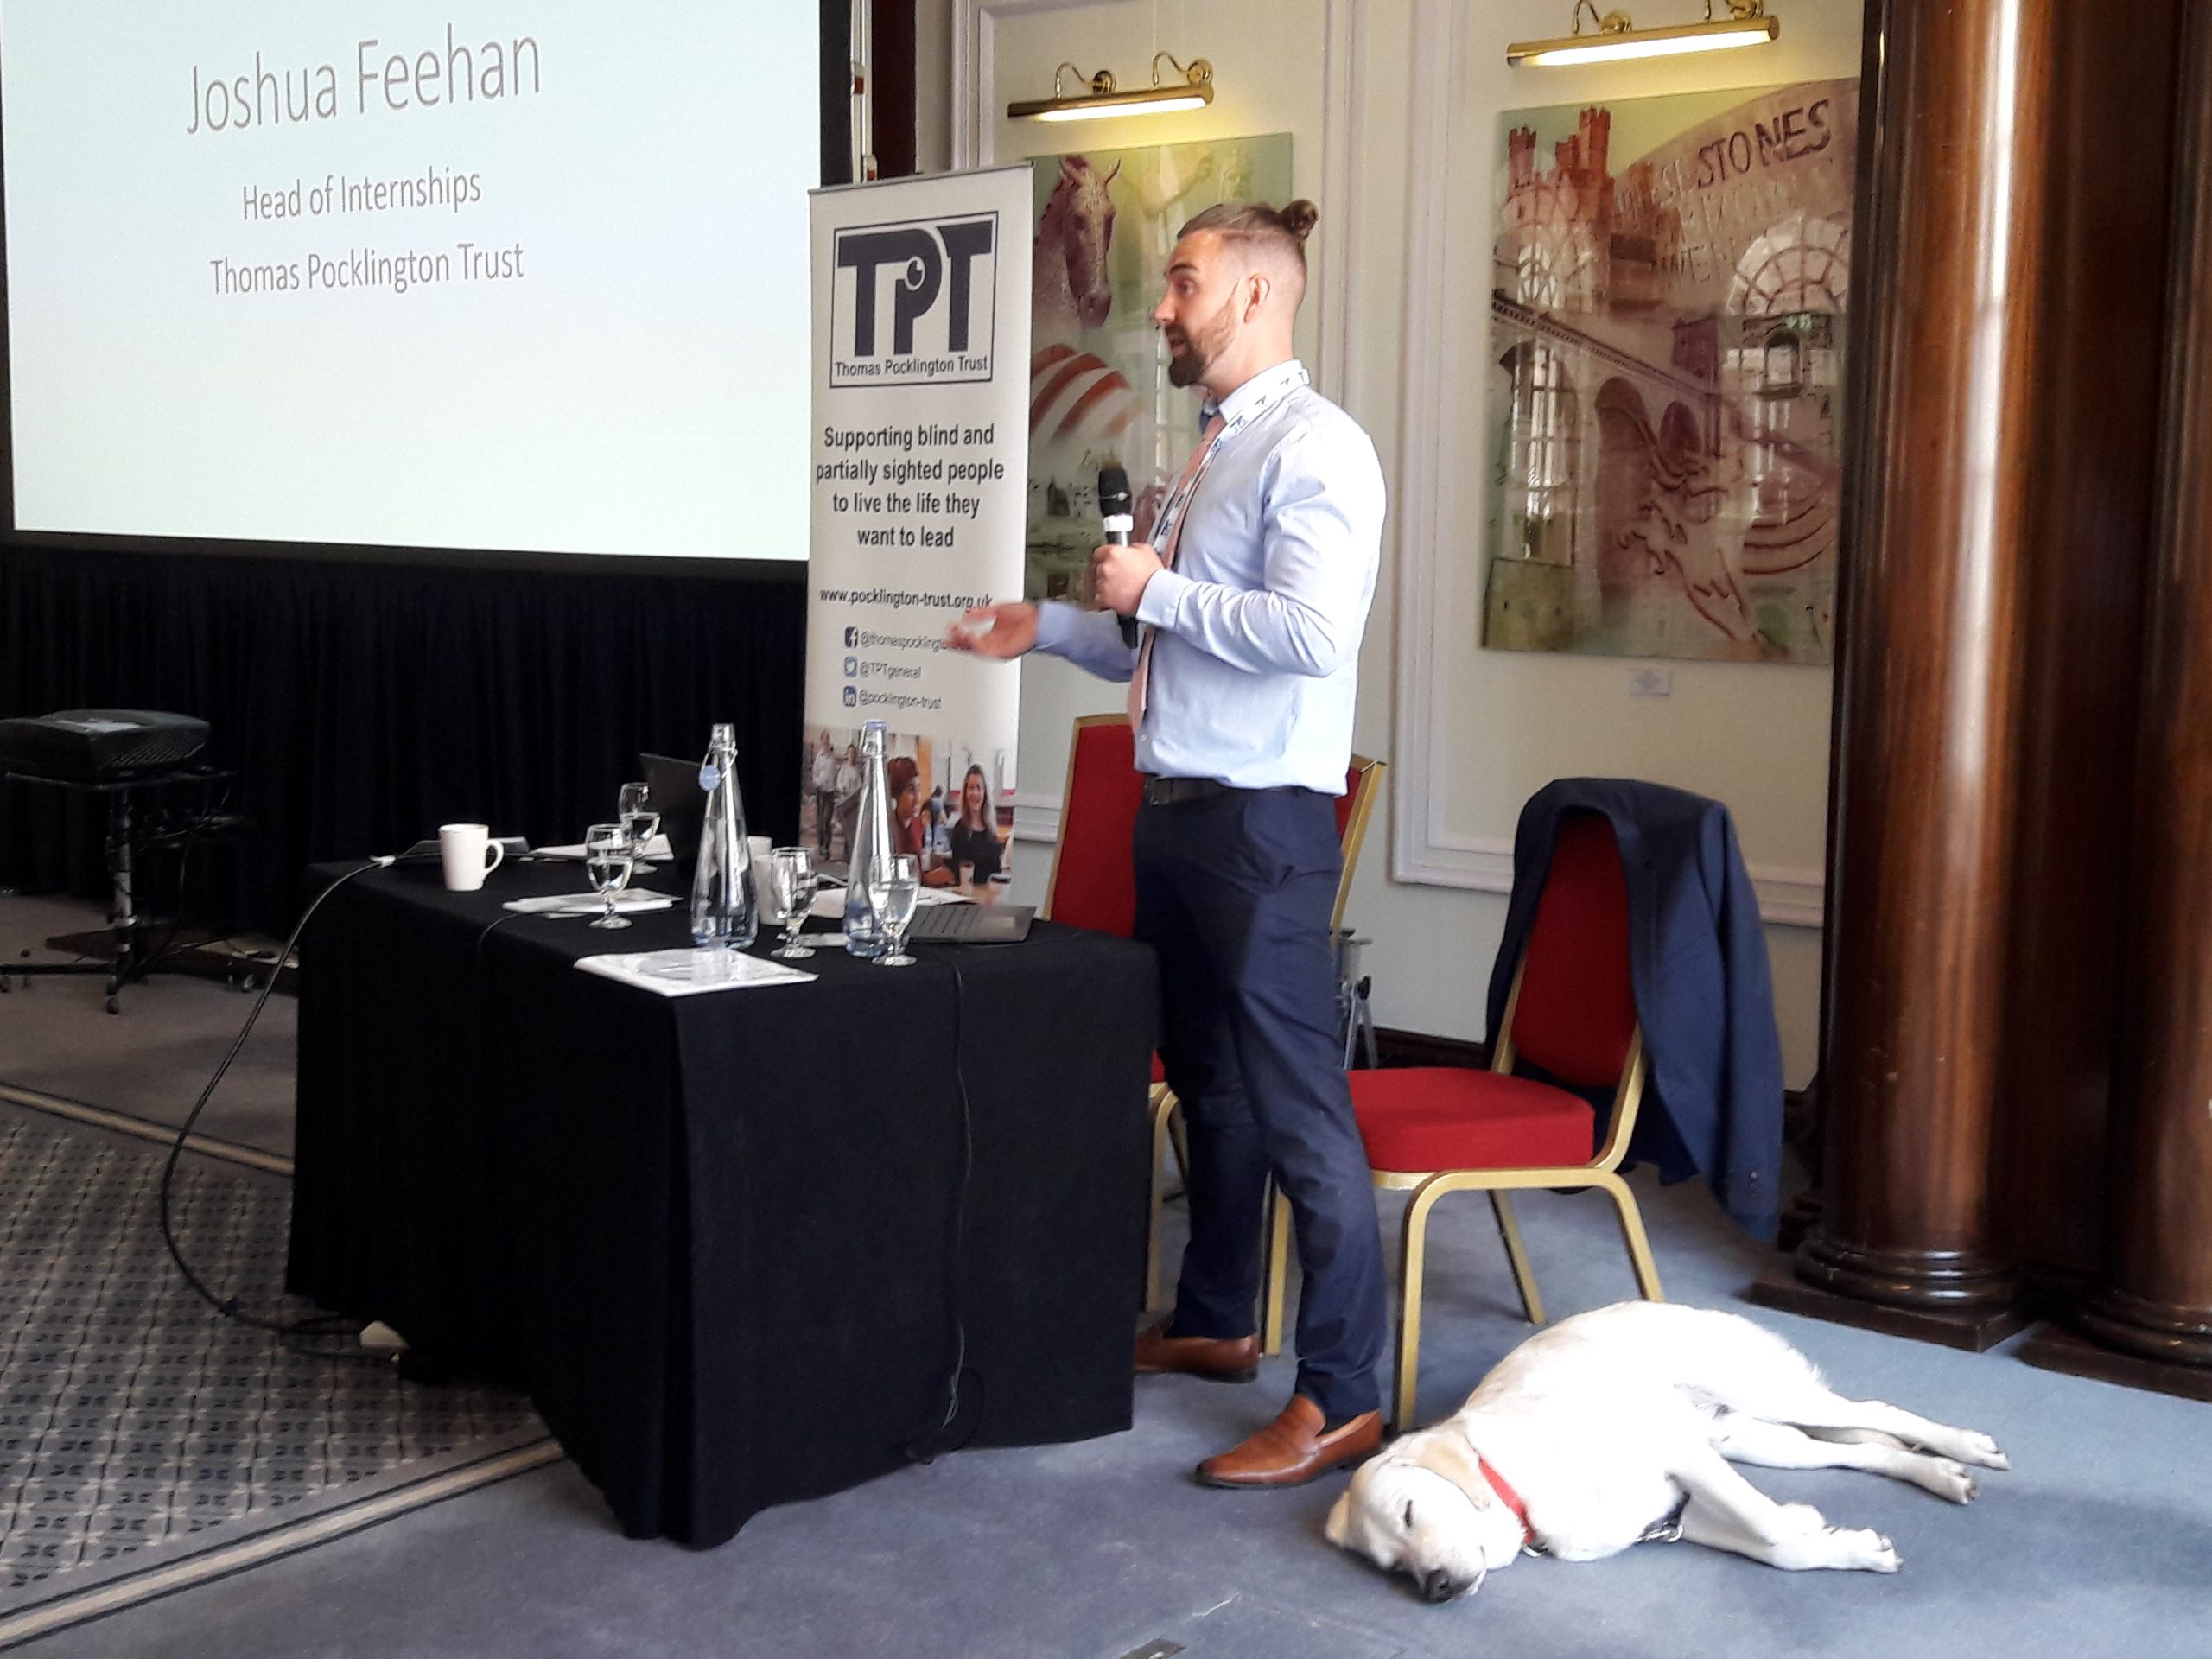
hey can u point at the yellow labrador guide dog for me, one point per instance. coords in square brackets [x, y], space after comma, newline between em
[1619, 1425]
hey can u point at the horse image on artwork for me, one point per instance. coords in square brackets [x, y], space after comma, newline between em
[1098, 392]
[1076, 396]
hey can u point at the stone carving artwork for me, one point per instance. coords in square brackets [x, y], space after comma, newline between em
[1668, 303]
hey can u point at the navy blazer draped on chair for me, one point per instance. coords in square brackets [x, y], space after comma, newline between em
[1704, 992]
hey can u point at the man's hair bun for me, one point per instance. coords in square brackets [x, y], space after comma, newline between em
[1284, 229]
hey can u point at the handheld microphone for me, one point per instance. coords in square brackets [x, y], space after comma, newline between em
[1120, 519]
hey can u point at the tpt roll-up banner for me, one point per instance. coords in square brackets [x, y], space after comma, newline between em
[921, 442]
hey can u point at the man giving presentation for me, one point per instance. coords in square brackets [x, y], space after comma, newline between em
[1250, 598]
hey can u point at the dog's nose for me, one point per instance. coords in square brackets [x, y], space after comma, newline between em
[1438, 1587]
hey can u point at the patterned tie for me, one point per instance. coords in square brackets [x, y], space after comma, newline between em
[1186, 487]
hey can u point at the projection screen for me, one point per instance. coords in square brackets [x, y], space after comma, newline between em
[526, 275]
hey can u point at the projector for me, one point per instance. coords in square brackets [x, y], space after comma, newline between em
[97, 746]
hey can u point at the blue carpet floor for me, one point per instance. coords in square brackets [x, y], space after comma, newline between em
[2100, 1542]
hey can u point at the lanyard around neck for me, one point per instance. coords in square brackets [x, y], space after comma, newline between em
[1258, 404]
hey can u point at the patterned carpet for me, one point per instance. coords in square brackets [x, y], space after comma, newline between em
[142, 1437]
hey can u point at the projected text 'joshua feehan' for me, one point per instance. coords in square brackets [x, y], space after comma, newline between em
[382, 82]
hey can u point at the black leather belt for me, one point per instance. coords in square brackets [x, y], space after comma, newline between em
[1167, 791]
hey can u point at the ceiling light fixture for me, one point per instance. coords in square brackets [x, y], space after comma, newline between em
[1193, 91]
[1616, 37]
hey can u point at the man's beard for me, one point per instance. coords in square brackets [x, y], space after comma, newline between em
[1201, 350]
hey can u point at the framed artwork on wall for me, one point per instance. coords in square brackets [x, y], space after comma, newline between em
[1668, 290]
[1098, 391]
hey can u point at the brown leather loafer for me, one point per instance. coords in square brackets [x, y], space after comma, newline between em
[1292, 1450]
[1219, 1359]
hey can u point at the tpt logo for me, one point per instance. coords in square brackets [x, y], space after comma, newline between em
[914, 302]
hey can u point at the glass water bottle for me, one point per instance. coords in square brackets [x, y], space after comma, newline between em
[725, 910]
[871, 845]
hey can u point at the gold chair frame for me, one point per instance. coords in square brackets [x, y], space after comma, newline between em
[1428, 1186]
[1167, 1123]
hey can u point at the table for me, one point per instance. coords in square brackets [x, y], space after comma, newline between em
[716, 1238]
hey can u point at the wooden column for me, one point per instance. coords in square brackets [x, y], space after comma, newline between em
[1945, 286]
[2102, 373]
[2155, 1299]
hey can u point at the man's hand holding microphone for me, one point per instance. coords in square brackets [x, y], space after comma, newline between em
[1119, 570]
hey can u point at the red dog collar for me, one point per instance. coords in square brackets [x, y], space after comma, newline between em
[1507, 1496]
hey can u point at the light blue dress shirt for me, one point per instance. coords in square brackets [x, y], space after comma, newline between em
[1255, 663]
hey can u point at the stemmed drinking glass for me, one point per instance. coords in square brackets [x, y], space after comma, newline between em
[638, 815]
[609, 856]
[792, 882]
[894, 887]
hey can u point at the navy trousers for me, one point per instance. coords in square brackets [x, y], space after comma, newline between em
[1234, 892]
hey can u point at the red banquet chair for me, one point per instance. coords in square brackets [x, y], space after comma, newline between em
[1093, 884]
[1363, 782]
[1094, 880]
[1443, 1129]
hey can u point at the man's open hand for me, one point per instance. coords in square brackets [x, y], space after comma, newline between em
[1001, 630]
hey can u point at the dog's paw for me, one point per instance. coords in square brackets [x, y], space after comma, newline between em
[1979, 1448]
[1952, 1480]
[1863, 1550]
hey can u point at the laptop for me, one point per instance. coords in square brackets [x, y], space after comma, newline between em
[970, 924]
[681, 805]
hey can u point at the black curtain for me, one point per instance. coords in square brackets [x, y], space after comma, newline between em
[364, 704]
[837, 91]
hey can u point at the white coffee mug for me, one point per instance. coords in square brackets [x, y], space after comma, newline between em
[463, 846]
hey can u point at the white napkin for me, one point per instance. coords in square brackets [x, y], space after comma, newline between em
[688, 973]
[658, 847]
[627, 902]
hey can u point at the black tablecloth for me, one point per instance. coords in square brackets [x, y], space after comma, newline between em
[718, 1237]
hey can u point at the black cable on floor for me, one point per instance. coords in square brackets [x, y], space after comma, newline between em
[319, 1324]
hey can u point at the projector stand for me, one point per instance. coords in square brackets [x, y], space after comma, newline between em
[132, 960]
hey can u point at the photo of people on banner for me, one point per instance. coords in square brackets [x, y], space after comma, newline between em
[947, 808]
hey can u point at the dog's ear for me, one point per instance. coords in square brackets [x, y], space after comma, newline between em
[1445, 1451]
[1337, 1528]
